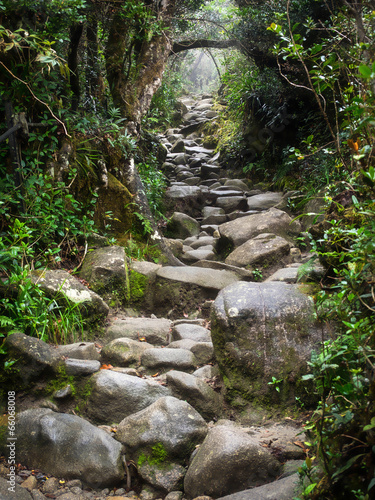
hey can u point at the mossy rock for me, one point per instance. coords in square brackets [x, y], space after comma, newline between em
[262, 333]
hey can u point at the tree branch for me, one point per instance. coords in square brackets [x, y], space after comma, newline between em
[202, 44]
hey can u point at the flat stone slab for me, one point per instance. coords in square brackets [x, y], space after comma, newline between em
[206, 278]
[193, 332]
[155, 331]
[205, 253]
[287, 274]
[183, 191]
[262, 249]
[242, 273]
[264, 201]
[81, 366]
[180, 359]
[283, 489]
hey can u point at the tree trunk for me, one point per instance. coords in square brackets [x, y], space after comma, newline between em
[134, 70]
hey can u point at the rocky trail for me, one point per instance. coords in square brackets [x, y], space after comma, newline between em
[176, 403]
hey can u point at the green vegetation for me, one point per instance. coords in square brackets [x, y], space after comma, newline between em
[157, 456]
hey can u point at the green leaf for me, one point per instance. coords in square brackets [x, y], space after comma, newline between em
[310, 488]
[365, 71]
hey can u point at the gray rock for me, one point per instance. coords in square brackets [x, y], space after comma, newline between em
[167, 358]
[175, 246]
[66, 289]
[192, 181]
[115, 395]
[202, 253]
[34, 357]
[196, 392]
[65, 392]
[68, 446]
[178, 147]
[182, 344]
[230, 203]
[203, 241]
[178, 192]
[206, 278]
[264, 249]
[174, 495]
[169, 422]
[214, 219]
[264, 201]
[286, 274]
[124, 351]
[165, 477]
[79, 350]
[182, 226]
[226, 462]
[154, 331]
[243, 274]
[145, 268]
[206, 372]
[272, 221]
[207, 170]
[237, 184]
[188, 331]
[212, 211]
[38, 495]
[78, 367]
[203, 352]
[10, 491]
[104, 269]
[260, 331]
[283, 489]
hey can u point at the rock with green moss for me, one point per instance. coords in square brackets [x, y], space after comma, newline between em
[105, 269]
[182, 226]
[34, 359]
[70, 292]
[168, 430]
[262, 333]
[124, 352]
[166, 477]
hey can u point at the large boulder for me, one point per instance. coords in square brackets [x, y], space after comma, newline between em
[282, 489]
[105, 270]
[177, 290]
[273, 221]
[33, 358]
[116, 395]
[263, 250]
[262, 332]
[68, 446]
[66, 289]
[228, 460]
[264, 201]
[10, 490]
[182, 226]
[167, 429]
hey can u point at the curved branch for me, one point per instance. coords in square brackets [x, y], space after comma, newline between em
[202, 44]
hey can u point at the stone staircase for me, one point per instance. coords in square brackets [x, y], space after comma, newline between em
[154, 384]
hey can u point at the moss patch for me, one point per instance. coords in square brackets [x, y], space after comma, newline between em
[157, 455]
